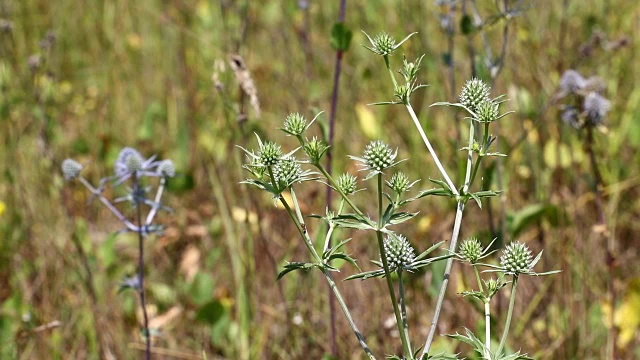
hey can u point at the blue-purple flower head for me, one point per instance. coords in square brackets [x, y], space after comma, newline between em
[130, 162]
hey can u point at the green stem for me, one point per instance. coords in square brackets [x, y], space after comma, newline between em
[475, 270]
[385, 264]
[393, 78]
[342, 194]
[403, 308]
[302, 230]
[512, 302]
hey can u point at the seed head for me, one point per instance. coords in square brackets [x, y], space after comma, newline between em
[347, 183]
[516, 258]
[399, 252]
[474, 93]
[470, 250]
[166, 168]
[71, 169]
[295, 124]
[269, 154]
[378, 156]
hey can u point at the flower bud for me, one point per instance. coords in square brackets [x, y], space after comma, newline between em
[474, 93]
[398, 251]
[71, 169]
[516, 258]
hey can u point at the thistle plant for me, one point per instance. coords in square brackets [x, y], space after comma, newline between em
[133, 168]
[276, 172]
[481, 111]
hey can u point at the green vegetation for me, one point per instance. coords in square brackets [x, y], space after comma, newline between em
[188, 81]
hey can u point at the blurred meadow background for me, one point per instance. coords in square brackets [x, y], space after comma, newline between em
[83, 79]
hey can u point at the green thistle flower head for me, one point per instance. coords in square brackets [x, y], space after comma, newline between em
[287, 171]
[378, 156]
[347, 183]
[166, 168]
[315, 149]
[71, 169]
[295, 124]
[399, 183]
[269, 154]
[470, 250]
[383, 44]
[399, 252]
[474, 93]
[487, 111]
[516, 259]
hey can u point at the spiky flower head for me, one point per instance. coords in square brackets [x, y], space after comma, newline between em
[474, 93]
[399, 183]
[470, 250]
[383, 44]
[487, 111]
[315, 149]
[269, 153]
[378, 155]
[398, 251]
[295, 124]
[287, 171]
[166, 168]
[516, 259]
[347, 183]
[596, 108]
[129, 161]
[71, 169]
[571, 82]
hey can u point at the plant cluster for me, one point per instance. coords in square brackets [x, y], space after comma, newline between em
[277, 172]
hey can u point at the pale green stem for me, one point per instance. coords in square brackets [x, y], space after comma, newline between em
[452, 247]
[487, 329]
[475, 270]
[512, 302]
[385, 264]
[301, 227]
[403, 308]
[416, 122]
[332, 226]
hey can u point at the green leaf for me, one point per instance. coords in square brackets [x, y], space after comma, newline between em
[353, 221]
[340, 37]
[201, 289]
[401, 217]
[532, 214]
[466, 25]
[293, 266]
[211, 312]
[428, 251]
[365, 275]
